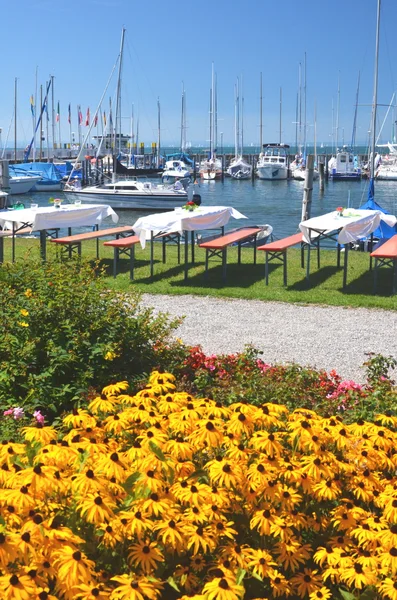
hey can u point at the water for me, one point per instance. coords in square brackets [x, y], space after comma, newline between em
[278, 203]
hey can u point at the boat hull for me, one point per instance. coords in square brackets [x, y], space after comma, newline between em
[272, 172]
[47, 186]
[137, 201]
[22, 185]
[345, 176]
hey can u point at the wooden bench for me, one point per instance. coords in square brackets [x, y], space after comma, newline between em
[278, 251]
[218, 246]
[9, 233]
[72, 243]
[125, 245]
[385, 254]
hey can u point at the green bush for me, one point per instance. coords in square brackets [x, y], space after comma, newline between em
[63, 331]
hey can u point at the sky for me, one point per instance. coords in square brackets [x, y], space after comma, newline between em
[168, 45]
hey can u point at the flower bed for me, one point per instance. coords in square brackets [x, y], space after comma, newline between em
[164, 495]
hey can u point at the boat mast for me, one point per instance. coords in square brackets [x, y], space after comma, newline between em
[15, 118]
[34, 118]
[212, 113]
[52, 115]
[182, 119]
[242, 119]
[375, 96]
[300, 111]
[337, 113]
[235, 119]
[158, 132]
[304, 110]
[260, 116]
[281, 104]
[355, 114]
[118, 95]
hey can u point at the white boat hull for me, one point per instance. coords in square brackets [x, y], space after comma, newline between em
[50, 186]
[22, 185]
[272, 172]
[166, 200]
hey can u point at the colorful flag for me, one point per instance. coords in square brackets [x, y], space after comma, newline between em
[69, 115]
[80, 116]
[87, 119]
[96, 120]
[58, 114]
[104, 118]
[32, 105]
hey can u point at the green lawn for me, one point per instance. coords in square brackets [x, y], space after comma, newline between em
[243, 281]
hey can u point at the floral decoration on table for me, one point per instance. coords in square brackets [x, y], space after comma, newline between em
[190, 206]
[56, 202]
[339, 211]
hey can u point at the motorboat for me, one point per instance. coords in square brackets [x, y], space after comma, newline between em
[344, 166]
[174, 170]
[130, 194]
[49, 177]
[273, 162]
[22, 184]
[211, 168]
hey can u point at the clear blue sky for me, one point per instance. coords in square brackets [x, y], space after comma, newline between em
[167, 43]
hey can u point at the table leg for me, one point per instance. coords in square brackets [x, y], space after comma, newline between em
[132, 259]
[151, 254]
[224, 265]
[186, 253]
[338, 256]
[267, 268]
[308, 264]
[371, 250]
[394, 276]
[43, 244]
[192, 243]
[375, 276]
[345, 265]
[13, 241]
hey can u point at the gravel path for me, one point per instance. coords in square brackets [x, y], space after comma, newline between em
[317, 336]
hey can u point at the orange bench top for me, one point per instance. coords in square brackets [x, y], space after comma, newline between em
[123, 242]
[8, 232]
[231, 238]
[92, 235]
[387, 249]
[282, 244]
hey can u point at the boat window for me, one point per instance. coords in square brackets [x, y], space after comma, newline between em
[350, 159]
[281, 160]
[342, 158]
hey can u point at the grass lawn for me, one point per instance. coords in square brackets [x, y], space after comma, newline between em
[243, 281]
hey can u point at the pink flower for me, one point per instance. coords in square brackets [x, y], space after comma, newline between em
[39, 417]
[18, 413]
[8, 412]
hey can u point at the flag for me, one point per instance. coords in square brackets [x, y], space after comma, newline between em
[96, 120]
[58, 114]
[87, 119]
[69, 115]
[104, 118]
[80, 116]
[32, 105]
[46, 109]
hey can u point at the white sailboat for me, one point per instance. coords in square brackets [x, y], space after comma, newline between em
[211, 168]
[273, 161]
[238, 167]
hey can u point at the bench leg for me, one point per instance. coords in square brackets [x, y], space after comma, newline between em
[206, 263]
[285, 269]
[115, 259]
[318, 254]
[179, 249]
[186, 254]
[132, 259]
[376, 275]
[302, 255]
[151, 255]
[164, 251]
[255, 245]
[224, 265]
[239, 253]
[345, 265]
[394, 276]
[308, 264]
[192, 244]
[267, 268]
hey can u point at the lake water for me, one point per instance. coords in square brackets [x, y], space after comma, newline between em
[278, 203]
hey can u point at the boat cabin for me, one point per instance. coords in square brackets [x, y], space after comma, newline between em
[275, 153]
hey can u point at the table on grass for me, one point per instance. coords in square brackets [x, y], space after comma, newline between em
[345, 228]
[48, 220]
[183, 221]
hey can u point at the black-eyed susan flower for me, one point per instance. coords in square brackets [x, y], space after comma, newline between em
[321, 594]
[145, 555]
[357, 576]
[132, 587]
[306, 582]
[17, 587]
[96, 509]
[73, 567]
[115, 388]
[223, 588]
[388, 588]
[261, 562]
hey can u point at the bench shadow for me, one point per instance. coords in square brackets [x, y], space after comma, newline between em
[237, 276]
[364, 284]
[316, 278]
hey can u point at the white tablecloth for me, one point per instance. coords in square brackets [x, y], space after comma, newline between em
[179, 220]
[68, 215]
[352, 226]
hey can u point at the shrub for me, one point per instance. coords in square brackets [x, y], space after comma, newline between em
[164, 495]
[62, 331]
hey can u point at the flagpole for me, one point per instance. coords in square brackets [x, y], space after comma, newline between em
[79, 125]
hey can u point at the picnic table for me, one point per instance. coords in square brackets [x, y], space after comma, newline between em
[48, 220]
[343, 228]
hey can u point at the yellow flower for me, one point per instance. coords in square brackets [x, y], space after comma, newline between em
[146, 555]
[223, 588]
[110, 356]
[23, 324]
[115, 388]
[132, 587]
[14, 587]
[28, 293]
[24, 312]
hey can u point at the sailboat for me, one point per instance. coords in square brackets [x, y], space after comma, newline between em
[211, 168]
[178, 165]
[273, 161]
[238, 167]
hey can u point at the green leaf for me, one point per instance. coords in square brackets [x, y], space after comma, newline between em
[156, 450]
[130, 481]
[240, 576]
[258, 577]
[368, 594]
[172, 583]
[346, 595]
